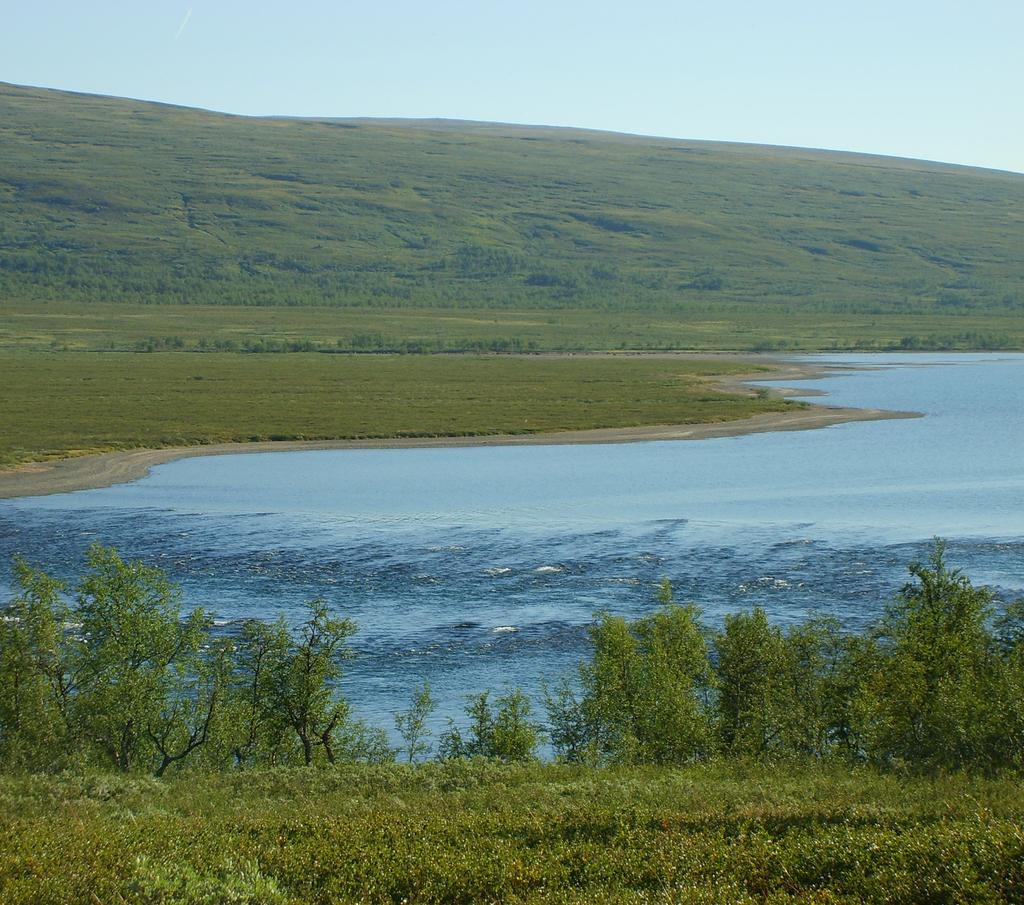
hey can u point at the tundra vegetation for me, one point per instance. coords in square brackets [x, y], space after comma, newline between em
[58, 405]
[146, 758]
[554, 238]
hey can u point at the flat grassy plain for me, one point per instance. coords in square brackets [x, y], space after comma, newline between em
[486, 832]
[55, 405]
[98, 327]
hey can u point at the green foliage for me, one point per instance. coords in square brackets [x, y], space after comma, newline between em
[251, 730]
[119, 679]
[412, 723]
[506, 733]
[34, 681]
[751, 659]
[134, 663]
[642, 691]
[300, 672]
[936, 697]
[165, 882]
[188, 716]
[115, 200]
[936, 685]
[283, 706]
[62, 325]
[819, 671]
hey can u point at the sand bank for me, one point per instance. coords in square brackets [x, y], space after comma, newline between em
[104, 469]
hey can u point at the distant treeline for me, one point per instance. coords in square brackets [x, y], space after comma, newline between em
[114, 676]
[378, 343]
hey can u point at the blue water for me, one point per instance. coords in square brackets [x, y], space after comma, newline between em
[481, 567]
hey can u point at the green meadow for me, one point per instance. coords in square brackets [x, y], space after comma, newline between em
[132, 327]
[483, 832]
[61, 404]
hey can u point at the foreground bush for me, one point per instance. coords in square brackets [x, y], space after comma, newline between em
[936, 685]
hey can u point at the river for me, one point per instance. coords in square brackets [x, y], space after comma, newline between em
[481, 567]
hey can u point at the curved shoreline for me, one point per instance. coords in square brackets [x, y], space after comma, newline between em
[105, 469]
[96, 470]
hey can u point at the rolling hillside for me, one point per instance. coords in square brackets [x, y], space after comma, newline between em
[128, 203]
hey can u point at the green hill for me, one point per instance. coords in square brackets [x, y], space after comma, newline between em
[127, 202]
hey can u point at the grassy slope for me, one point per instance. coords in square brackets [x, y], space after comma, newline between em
[124, 201]
[57, 404]
[476, 833]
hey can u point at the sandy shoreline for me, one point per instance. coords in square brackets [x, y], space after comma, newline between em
[105, 469]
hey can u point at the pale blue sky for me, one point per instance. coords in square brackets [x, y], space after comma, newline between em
[939, 80]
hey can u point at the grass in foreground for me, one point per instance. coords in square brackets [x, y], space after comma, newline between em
[482, 832]
[60, 404]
